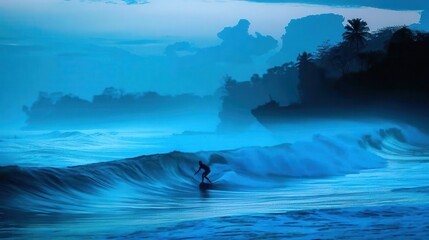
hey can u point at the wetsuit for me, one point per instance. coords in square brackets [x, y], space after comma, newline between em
[205, 173]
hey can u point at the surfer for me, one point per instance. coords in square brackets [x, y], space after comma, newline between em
[205, 173]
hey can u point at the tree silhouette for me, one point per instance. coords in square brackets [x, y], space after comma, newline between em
[403, 35]
[310, 78]
[304, 59]
[357, 32]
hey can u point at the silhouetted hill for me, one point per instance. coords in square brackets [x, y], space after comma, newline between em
[114, 107]
[239, 97]
[389, 80]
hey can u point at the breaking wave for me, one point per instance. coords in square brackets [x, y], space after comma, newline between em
[165, 175]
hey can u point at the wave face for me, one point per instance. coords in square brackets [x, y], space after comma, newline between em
[158, 175]
[393, 144]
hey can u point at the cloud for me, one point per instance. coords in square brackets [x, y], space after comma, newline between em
[134, 1]
[139, 42]
[239, 55]
[179, 49]
[386, 4]
[237, 46]
[423, 25]
[306, 34]
[128, 2]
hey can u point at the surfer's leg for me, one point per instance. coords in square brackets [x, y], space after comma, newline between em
[208, 179]
[202, 177]
[205, 175]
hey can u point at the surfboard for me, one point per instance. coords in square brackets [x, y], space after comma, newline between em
[205, 186]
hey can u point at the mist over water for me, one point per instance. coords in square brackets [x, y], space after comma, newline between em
[68, 148]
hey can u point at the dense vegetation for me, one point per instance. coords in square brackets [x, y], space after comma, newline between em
[118, 108]
[383, 69]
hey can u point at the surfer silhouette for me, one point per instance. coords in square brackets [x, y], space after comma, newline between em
[205, 173]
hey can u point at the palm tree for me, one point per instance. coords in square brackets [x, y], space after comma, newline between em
[309, 85]
[304, 59]
[357, 32]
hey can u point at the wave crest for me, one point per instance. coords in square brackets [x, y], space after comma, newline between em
[166, 174]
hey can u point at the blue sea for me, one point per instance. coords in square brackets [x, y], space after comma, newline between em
[315, 180]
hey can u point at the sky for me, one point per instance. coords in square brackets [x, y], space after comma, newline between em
[82, 47]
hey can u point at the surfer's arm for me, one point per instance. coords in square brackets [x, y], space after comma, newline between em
[197, 170]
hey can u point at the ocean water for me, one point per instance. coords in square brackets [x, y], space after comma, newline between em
[327, 180]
